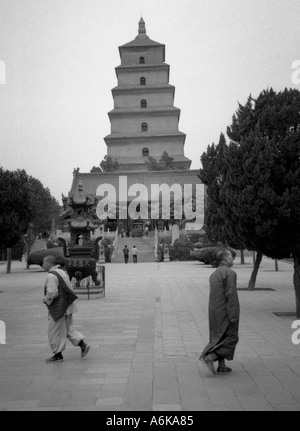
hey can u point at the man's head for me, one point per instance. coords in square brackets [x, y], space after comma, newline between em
[48, 262]
[225, 256]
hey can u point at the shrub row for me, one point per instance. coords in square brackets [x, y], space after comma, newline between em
[207, 255]
[36, 258]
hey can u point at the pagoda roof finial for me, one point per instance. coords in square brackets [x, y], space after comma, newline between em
[142, 28]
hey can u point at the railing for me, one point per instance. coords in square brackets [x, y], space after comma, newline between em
[87, 286]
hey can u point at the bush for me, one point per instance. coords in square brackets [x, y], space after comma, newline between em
[207, 255]
[51, 244]
[199, 245]
[178, 251]
[135, 233]
[108, 248]
[181, 251]
[36, 258]
[198, 237]
[194, 237]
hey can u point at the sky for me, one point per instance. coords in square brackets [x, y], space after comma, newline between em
[57, 61]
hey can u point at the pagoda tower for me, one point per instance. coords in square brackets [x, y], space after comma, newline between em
[144, 121]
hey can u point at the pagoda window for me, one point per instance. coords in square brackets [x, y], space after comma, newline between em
[143, 103]
[142, 60]
[143, 80]
[144, 127]
[145, 152]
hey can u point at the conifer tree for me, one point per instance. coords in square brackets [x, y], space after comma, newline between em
[260, 196]
[211, 176]
[108, 164]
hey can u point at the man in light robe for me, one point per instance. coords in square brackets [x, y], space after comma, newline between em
[224, 312]
[61, 329]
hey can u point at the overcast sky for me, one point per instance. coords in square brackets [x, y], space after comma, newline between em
[60, 55]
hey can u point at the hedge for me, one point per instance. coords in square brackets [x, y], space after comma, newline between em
[36, 258]
[207, 255]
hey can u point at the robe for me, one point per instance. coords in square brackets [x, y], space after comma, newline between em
[223, 313]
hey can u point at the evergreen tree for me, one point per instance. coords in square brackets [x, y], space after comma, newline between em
[45, 208]
[165, 163]
[96, 169]
[260, 196]
[211, 176]
[153, 164]
[108, 164]
[15, 208]
[24, 202]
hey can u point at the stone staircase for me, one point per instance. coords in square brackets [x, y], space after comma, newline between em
[145, 246]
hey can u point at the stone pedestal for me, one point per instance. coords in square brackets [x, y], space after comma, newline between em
[166, 253]
[175, 233]
[101, 258]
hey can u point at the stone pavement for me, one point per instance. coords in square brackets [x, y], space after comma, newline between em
[146, 336]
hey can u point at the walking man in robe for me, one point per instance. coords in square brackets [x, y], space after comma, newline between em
[224, 312]
[59, 299]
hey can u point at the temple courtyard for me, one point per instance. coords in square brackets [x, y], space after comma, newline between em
[146, 335]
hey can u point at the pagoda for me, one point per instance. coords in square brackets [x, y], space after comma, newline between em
[144, 121]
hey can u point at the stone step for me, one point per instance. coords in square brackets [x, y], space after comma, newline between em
[144, 245]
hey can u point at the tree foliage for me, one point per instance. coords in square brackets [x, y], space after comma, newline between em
[108, 164]
[15, 206]
[259, 195]
[25, 206]
[211, 175]
[165, 163]
[95, 169]
[45, 208]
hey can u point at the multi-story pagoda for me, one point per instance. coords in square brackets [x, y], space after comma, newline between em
[144, 121]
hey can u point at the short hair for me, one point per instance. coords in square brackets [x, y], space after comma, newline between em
[51, 259]
[221, 254]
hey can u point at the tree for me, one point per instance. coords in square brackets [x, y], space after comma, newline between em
[15, 208]
[260, 195]
[96, 169]
[211, 175]
[153, 164]
[24, 203]
[108, 164]
[45, 208]
[165, 163]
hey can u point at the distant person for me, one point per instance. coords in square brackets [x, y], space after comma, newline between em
[224, 312]
[134, 252]
[126, 253]
[59, 298]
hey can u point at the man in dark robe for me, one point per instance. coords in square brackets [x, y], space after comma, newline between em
[224, 312]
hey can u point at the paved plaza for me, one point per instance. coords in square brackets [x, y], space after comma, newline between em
[146, 337]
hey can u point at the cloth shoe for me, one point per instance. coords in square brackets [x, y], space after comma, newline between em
[84, 348]
[56, 358]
